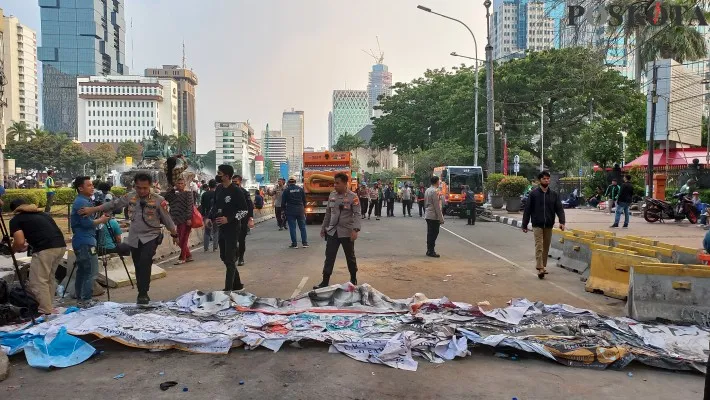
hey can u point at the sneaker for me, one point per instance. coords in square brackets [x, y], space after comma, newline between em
[625, 227]
[320, 285]
[239, 287]
[215, 249]
[305, 245]
[86, 303]
[614, 226]
[142, 299]
[240, 262]
[433, 254]
[178, 262]
[280, 228]
[293, 246]
[541, 274]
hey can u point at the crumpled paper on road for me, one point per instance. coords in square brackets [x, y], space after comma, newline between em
[368, 326]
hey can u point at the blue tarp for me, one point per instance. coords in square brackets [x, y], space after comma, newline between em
[63, 351]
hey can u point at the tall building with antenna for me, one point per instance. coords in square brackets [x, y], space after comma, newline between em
[379, 82]
[186, 80]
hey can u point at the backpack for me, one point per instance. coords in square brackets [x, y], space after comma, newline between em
[19, 298]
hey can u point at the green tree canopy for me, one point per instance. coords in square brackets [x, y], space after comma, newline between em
[19, 131]
[210, 160]
[129, 148]
[72, 159]
[103, 156]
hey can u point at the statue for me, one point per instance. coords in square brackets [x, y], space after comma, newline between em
[155, 148]
[155, 152]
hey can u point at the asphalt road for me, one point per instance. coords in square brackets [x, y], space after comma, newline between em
[490, 261]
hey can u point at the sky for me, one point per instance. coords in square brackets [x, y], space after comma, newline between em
[257, 58]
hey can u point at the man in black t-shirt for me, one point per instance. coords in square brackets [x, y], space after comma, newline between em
[230, 207]
[30, 226]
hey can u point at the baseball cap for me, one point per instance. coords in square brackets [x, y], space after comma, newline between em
[292, 179]
[694, 193]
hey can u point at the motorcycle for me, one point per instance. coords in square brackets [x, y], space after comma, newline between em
[656, 210]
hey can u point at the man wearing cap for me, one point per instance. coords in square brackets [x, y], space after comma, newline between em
[341, 226]
[626, 193]
[293, 201]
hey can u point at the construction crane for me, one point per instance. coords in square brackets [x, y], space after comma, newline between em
[380, 56]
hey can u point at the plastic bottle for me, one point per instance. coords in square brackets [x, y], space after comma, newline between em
[60, 290]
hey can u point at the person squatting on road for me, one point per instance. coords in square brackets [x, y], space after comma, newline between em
[230, 207]
[146, 211]
[84, 240]
[433, 215]
[626, 194]
[31, 227]
[247, 223]
[211, 228]
[542, 206]
[406, 200]
[363, 195]
[180, 202]
[276, 193]
[293, 201]
[341, 226]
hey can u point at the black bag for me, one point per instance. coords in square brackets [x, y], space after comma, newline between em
[10, 314]
[19, 298]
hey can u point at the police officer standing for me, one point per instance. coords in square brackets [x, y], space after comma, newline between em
[147, 211]
[341, 226]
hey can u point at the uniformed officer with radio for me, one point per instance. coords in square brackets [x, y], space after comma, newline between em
[147, 211]
[341, 226]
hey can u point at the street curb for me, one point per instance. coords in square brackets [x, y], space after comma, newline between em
[514, 222]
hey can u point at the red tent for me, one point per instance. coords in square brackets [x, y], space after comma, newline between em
[676, 158]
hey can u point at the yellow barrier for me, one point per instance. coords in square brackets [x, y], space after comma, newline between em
[685, 255]
[664, 254]
[641, 239]
[609, 272]
[639, 251]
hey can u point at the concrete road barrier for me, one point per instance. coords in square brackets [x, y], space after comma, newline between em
[685, 255]
[641, 239]
[577, 254]
[662, 253]
[557, 244]
[673, 292]
[637, 250]
[609, 272]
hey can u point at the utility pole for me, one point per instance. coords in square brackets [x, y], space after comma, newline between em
[542, 138]
[491, 153]
[505, 143]
[651, 138]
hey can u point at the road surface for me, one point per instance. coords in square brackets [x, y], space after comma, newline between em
[490, 261]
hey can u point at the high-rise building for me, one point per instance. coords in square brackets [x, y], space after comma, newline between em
[234, 145]
[120, 108]
[351, 113]
[79, 37]
[21, 89]
[186, 80]
[292, 128]
[273, 147]
[380, 84]
[330, 127]
[519, 25]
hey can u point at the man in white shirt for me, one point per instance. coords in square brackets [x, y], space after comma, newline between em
[406, 200]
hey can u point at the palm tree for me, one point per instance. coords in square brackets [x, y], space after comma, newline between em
[348, 142]
[19, 131]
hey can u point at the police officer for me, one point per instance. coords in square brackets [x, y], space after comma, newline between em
[341, 226]
[147, 211]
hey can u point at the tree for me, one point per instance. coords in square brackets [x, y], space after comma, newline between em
[129, 148]
[38, 153]
[348, 142]
[210, 160]
[103, 157]
[568, 88]
[19, 131]
[183, 142]
[444, 152]
[602, 143]
[72, 159]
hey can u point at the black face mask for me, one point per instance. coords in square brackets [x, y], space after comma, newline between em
[218, 179]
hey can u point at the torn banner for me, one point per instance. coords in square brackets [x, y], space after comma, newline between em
[368, 326]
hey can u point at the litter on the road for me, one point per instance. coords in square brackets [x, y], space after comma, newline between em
[119, 376]
[167, 385]
[368, 326]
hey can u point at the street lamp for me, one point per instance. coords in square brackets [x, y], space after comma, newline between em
[475, 87]
[623, 148]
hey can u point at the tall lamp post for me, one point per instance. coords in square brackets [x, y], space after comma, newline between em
[475, 87]
[491, 157]
[623, 148]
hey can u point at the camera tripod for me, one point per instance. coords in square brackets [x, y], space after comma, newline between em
[6, 244]
[104, 254]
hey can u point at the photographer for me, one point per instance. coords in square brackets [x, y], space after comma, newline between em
[30, 226]
[84, 241]
[147, 211]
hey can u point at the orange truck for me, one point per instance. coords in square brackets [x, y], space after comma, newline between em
[319, 170]
[453, 179]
